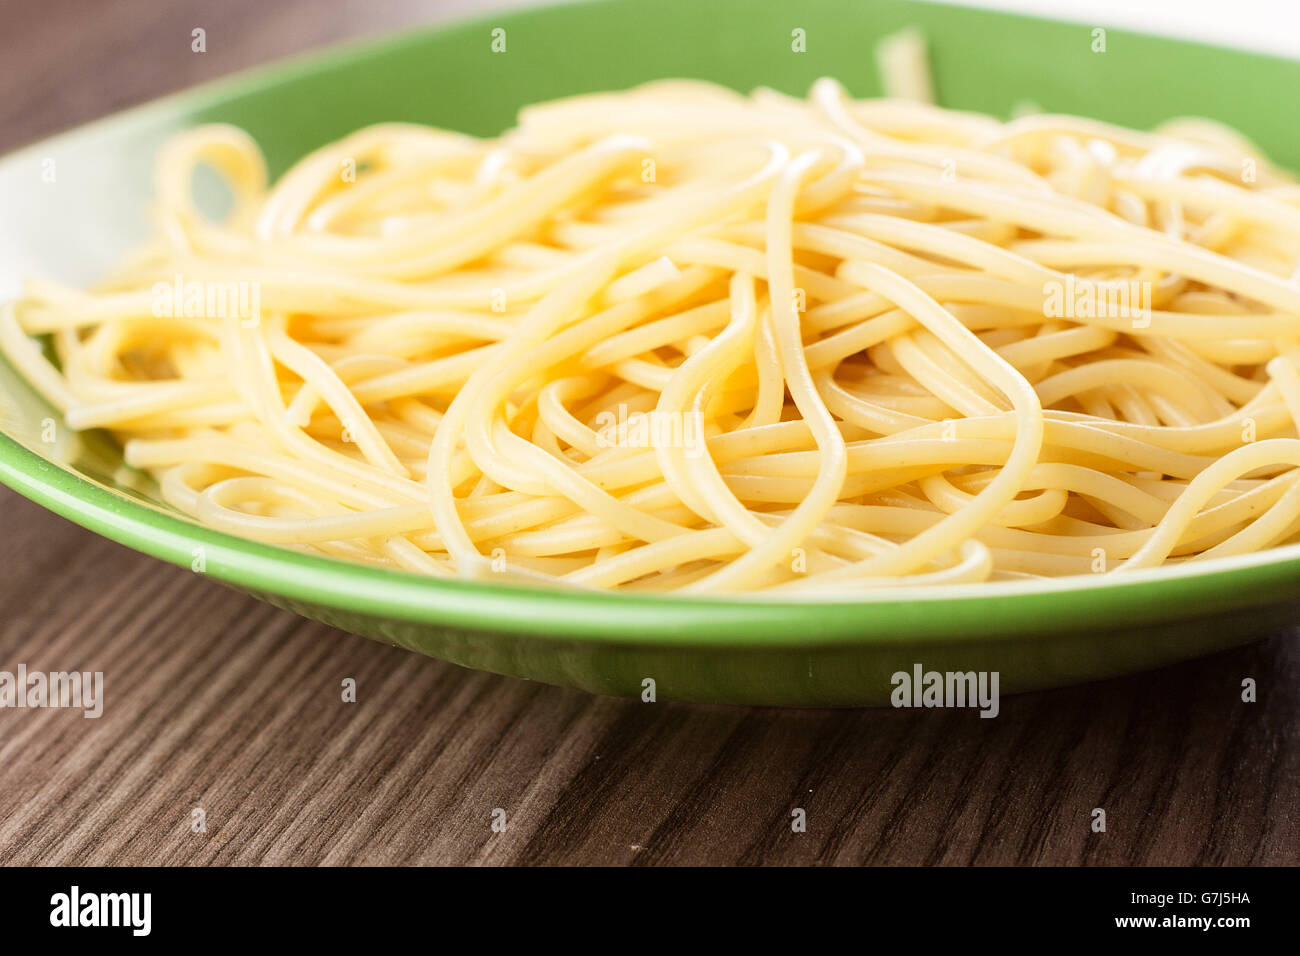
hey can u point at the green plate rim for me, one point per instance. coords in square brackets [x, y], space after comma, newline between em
[947, 613]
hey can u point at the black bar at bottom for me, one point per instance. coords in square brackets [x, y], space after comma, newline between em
[299, 905]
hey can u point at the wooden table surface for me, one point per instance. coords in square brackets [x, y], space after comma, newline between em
[217, 702]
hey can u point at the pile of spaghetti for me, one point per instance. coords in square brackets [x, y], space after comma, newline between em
[680, 339]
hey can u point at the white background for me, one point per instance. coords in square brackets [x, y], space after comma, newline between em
[1271, 26]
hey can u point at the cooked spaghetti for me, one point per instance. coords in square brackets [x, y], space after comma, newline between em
[679, 339]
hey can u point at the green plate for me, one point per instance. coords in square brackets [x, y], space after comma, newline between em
[744, 650]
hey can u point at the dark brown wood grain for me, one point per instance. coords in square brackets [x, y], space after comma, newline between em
[218, 702]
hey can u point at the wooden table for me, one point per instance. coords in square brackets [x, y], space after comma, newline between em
[218, 702]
